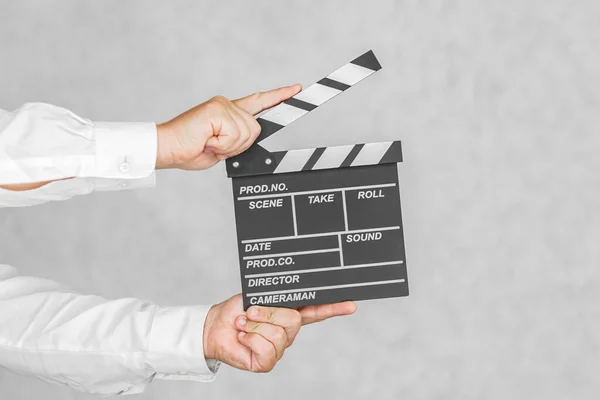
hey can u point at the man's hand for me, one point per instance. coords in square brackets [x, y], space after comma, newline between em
[257, 339]
[212, 131]
[215, 130]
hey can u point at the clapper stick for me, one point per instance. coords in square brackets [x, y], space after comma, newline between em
[323, 224]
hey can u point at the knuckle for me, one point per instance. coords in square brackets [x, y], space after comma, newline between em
[279, 334]
[262, 368]
[270, 364]
[215, 105]
[255, 128]
[318, 315]
[271, 354]
[220, 99]
[269, 314]
[297, 319]
[266, 364]
[257, 98]
[256, 368]
[269, 367]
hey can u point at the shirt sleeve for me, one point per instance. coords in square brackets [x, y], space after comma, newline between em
[94, 345]
[40, 142]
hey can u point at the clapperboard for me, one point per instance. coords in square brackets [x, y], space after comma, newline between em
[320, 225]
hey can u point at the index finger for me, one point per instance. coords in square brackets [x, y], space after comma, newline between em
[261, 101]
[318, 313]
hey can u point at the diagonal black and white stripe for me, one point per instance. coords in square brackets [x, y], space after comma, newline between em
[317, 94]
[338, 157]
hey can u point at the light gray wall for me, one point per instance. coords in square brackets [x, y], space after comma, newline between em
[497, 105]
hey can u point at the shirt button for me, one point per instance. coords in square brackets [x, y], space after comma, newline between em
[124, 167]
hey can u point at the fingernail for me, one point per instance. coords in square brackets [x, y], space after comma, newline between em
[242, 321]
[254, 312]
[242, 334]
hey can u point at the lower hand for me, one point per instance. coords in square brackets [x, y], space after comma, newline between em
[256, 340]
[215, 130]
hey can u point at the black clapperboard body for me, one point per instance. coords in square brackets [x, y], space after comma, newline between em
[320, 225]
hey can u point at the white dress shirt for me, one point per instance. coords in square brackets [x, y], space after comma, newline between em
[86, 342]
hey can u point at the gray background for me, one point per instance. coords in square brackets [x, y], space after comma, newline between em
[496, 103]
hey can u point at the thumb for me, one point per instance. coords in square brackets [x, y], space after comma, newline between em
[210, 157]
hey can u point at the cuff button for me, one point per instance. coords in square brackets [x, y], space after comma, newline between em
[124, 167]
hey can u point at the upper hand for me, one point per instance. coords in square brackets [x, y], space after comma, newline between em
[257, 339]
[215, 130]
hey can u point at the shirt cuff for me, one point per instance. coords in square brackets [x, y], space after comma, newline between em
[125, 150]
[107, 185]
[176, 350]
